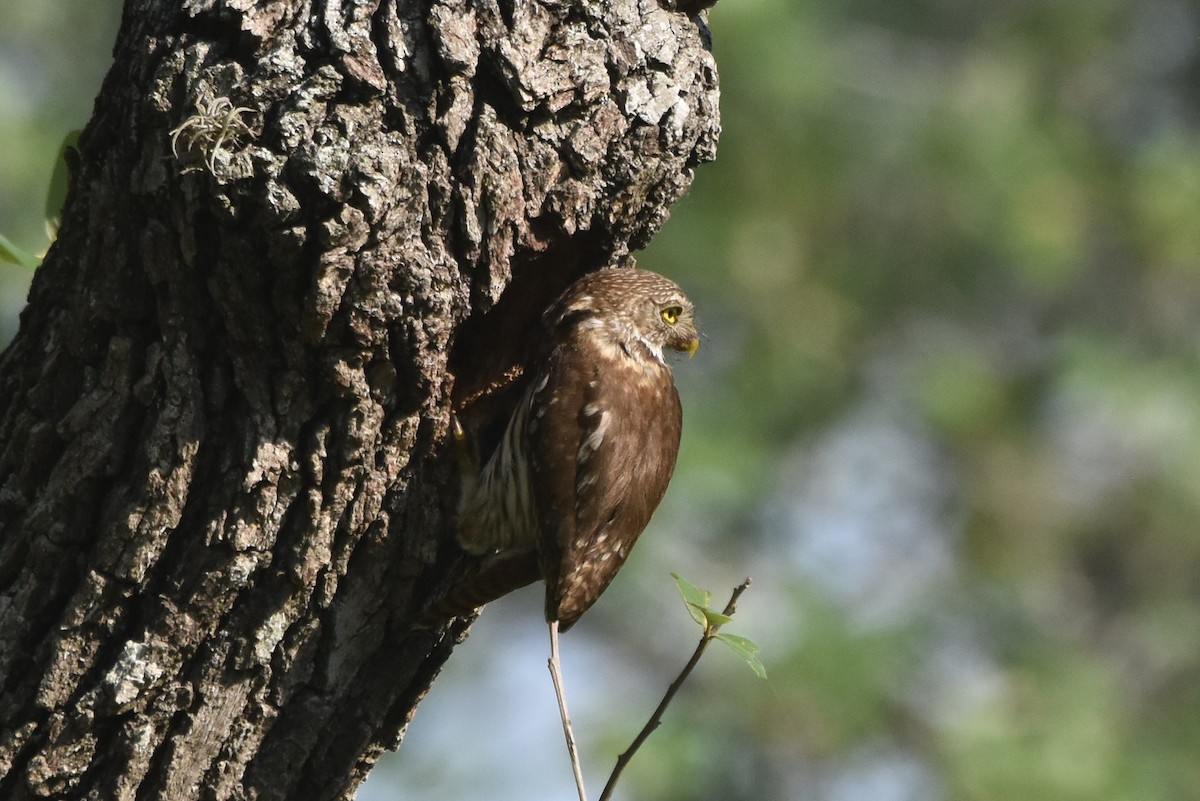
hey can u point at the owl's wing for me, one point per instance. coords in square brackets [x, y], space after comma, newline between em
[603, 440]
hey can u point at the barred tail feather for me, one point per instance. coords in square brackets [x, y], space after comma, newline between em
[493, 580]
[495, 507]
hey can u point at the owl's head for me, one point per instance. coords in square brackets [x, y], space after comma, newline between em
[634, 306]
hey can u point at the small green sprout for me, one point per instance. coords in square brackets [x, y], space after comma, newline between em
[698, 603]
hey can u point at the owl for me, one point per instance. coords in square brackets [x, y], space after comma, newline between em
[589, 449]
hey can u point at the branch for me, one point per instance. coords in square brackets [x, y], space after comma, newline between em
[559, 693]
[710, 632]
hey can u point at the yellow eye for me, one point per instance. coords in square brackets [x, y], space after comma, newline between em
[671, 314]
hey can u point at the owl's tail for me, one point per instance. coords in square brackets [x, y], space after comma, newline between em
[494, 579]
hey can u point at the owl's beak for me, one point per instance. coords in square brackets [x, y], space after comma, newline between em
[693, 345]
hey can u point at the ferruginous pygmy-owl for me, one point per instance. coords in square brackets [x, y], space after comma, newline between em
[589, 449]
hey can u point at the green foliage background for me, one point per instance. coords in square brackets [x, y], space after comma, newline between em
[947, 414]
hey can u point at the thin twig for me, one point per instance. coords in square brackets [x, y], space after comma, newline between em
[656, 718]
[556, 677]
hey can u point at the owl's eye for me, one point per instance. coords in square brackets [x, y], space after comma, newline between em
[671, 314]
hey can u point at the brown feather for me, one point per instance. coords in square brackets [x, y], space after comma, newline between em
[602, 453]
[590, 448]
[494, 580]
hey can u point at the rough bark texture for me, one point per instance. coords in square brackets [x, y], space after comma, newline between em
[225, 483]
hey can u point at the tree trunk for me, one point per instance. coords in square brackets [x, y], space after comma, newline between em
[299, 233]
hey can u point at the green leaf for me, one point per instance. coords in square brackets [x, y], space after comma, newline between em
[697, 613]
[748, 650]
[691, 593]
[715, 619]
[56, 195]
[694, 598]
[741, 643]
[12, 253]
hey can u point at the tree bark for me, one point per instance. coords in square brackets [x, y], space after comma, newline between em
[299, 233]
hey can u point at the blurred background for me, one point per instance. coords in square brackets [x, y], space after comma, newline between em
[946, 415]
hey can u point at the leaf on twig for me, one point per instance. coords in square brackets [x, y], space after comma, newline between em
[12, 253]
[697, 602]
[748, 650]
[696, 599]
[715, 619]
